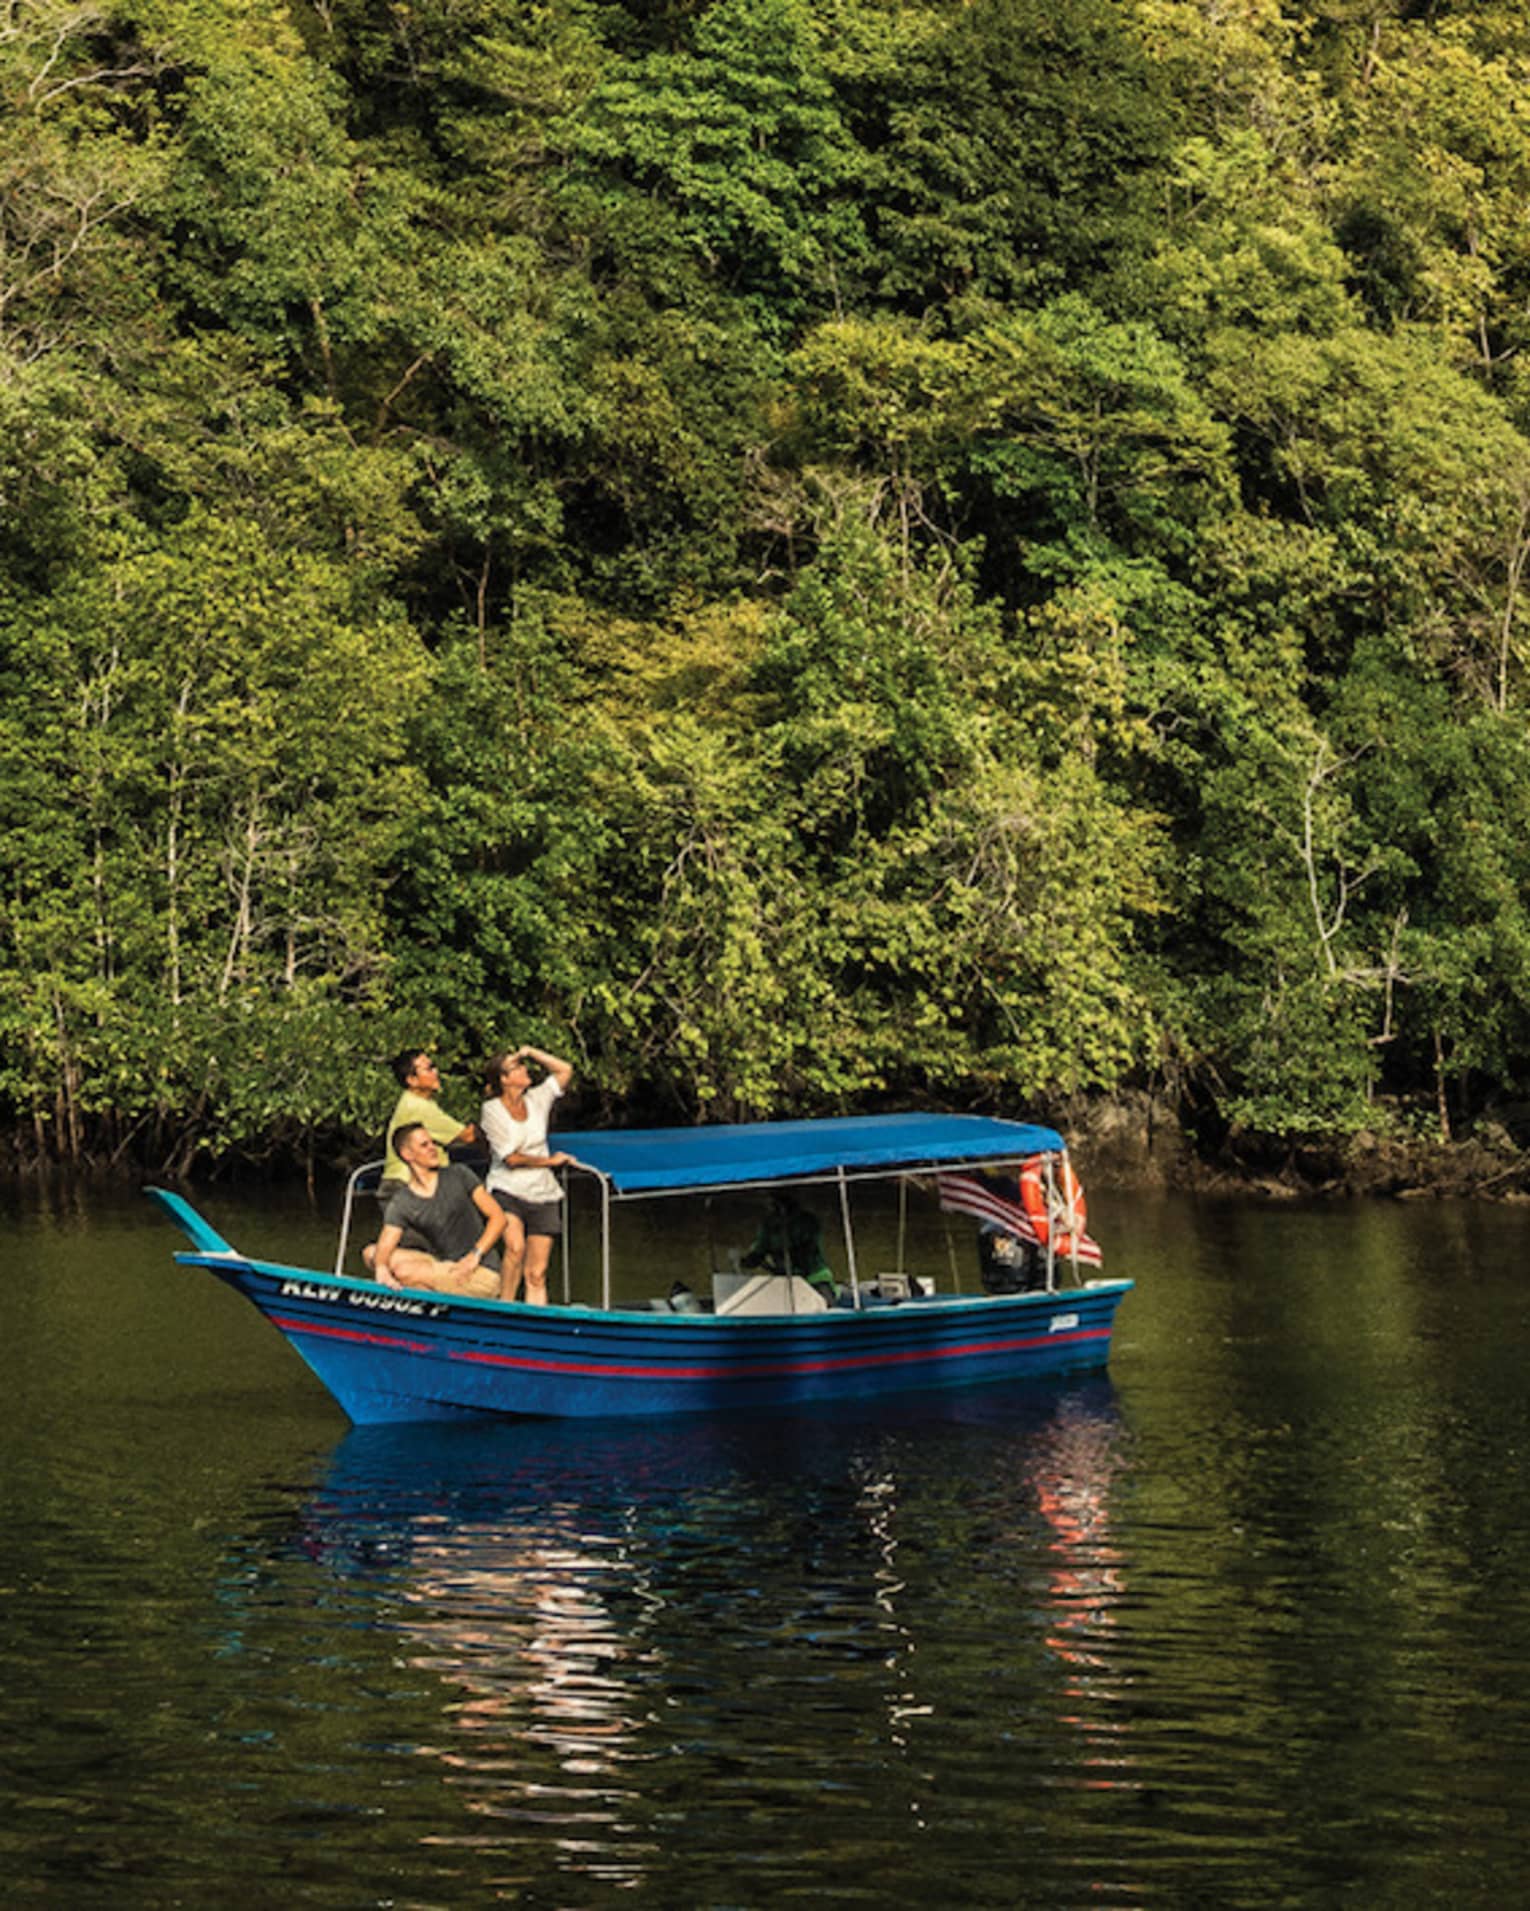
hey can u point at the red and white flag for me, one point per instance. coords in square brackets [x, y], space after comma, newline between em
[987, 1198]
[997, 1199]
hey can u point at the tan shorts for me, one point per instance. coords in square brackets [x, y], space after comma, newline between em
[435, 1277]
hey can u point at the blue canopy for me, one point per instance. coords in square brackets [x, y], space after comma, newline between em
[656, 1160]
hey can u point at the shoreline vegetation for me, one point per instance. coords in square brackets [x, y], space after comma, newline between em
[1127, 1142]
[811, 555]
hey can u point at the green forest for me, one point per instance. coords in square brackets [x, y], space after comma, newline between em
[809, 555]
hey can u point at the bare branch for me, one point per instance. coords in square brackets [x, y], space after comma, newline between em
[1325, 765]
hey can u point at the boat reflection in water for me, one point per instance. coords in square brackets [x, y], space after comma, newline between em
[1087, 1583]
[651, 1621]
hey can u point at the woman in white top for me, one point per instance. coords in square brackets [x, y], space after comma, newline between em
[514, 1124]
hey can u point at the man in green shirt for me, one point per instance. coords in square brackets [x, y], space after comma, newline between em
[420, 1082]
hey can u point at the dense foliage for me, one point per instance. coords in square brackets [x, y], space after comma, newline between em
[807, 553]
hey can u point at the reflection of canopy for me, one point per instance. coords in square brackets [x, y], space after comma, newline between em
[670, 1160]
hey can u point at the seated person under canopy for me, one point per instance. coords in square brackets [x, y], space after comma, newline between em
[790, 1241]
[444, 1205]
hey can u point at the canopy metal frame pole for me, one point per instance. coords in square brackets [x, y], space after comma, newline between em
[844, 1215]
[605, 1243]
[1051, 1227]
[351, 1186]
[605, 1230]
[568, 1226]
[345, 1226]
[902, 1218]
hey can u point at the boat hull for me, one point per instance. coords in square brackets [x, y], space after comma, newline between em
[391, 1355]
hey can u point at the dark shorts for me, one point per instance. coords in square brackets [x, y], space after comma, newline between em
[536, 1217]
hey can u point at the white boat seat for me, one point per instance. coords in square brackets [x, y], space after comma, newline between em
[766, 1294]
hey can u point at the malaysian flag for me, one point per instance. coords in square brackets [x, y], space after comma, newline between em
[996, 1198]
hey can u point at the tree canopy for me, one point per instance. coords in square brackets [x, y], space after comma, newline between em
[808, 553]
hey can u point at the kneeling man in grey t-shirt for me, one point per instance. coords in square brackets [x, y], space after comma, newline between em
[447, 1208]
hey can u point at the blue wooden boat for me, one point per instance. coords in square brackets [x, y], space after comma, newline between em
[768, 1342]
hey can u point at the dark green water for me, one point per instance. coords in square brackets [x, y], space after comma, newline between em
[1246, 1623]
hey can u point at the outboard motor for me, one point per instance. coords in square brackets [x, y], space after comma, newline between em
[1008, 1265]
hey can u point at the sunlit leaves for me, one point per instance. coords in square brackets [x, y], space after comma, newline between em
[732, 153]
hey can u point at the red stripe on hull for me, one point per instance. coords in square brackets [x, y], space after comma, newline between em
[391, 1342]
[616, 1370]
